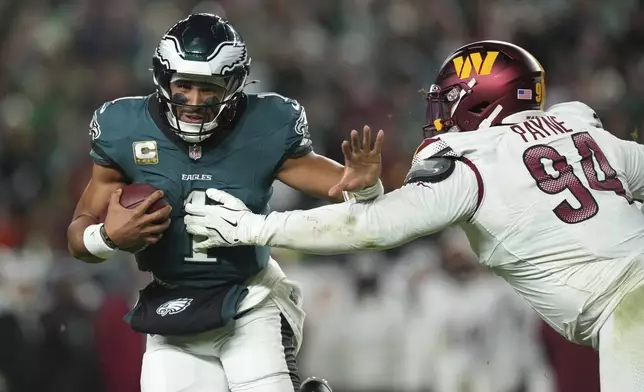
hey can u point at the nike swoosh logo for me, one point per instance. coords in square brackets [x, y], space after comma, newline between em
[230, 223]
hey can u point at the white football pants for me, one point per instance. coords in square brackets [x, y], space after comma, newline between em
[621, 346]
[255, 353]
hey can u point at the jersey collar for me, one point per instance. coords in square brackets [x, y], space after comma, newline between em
[522, 116]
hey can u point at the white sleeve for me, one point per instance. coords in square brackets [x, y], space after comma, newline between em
[413, 211]
[633, 156]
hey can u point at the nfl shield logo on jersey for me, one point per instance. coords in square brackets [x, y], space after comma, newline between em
[174, 306]
[194, 152]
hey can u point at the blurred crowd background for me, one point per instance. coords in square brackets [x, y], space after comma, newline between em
[420, 318]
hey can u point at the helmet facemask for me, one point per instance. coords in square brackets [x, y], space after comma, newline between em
[441, 106]
[211, 111]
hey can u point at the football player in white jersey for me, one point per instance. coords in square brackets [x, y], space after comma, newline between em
[546, 198]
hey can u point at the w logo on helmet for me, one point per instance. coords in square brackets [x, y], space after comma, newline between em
[174, 306]
[481, 67]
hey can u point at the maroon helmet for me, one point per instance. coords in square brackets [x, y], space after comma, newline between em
[482, 83]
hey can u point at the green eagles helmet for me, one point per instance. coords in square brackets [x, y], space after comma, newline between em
[201, 47]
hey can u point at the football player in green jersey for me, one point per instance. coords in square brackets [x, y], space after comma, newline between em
[225, 318]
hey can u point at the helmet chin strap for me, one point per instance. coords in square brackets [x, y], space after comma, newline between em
[251, 82]
[488, 121]
[194, 136]
[461, 94]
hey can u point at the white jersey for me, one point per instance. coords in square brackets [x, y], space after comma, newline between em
[555, 214]
[547, 202]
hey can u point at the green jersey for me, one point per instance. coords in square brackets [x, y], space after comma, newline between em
[131, 134]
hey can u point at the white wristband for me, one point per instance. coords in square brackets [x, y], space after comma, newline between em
[365, 194]
[95, 244]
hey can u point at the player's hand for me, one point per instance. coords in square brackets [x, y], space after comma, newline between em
[216, 225]
[134, 229]
[362, 164]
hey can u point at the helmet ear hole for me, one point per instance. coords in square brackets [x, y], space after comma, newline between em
[479, 108]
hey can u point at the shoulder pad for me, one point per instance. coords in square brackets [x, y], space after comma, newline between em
[289, 115]
[431, 170]
[123, 104]
[282, 110]
[433, 148]
[117, 117]
[576, 109]
[282, 104]
[112, 126]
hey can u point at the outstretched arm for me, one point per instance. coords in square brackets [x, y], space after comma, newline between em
[396, 218]
[391, 220]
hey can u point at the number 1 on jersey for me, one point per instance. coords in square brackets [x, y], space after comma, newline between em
[198, 198]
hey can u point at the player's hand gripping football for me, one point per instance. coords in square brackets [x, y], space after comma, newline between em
[362, 164]
[216, 225]
[134, 229]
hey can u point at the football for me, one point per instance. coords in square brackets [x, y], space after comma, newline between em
[133, 195]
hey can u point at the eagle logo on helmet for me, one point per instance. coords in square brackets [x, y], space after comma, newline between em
[94, 127]
[229, 55]
[225, 58]
[174, 306]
